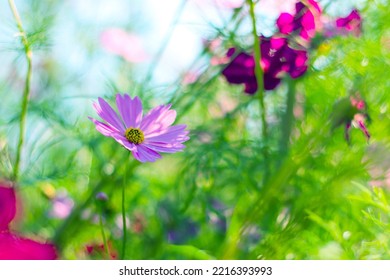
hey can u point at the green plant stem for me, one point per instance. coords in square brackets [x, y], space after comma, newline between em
[26, 91]
[124, 226]
[287, 121]
[260, 89]
[103, 234]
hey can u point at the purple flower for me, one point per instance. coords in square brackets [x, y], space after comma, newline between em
[277, 59]
[241, 70]
[350, 24]
[101, 196]
[182, 232]
[12, 246]
[145, 136]
[303, 21]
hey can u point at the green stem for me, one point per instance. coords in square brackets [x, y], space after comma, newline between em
[26, 91]
[287, 121]
[260, 89]
[124, 237]
[103, 234]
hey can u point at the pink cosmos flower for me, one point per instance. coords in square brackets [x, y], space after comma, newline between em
[127, 45]
[12, 246]
[145, 136]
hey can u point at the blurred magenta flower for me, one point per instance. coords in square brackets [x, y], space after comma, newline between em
[127, 45]
[277, 59]
[12, 246]
[303, 22]
[145, 136]
[350, 24]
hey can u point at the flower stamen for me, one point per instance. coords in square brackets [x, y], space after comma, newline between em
[134, 135]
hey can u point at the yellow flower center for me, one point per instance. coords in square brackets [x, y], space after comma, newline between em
[134, 135]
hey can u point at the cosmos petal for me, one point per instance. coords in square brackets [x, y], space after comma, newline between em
[152, 120]
[144, 154]
[149, 118]
[7, 207]
[135, 112]
[17, 248]
[106, 130]
[165, 148]
[123, 103]
[108, 114]
[175, 133]
[124, 142]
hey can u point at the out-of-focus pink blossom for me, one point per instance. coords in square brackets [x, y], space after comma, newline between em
[350, 24]
[124, 44]
[190, 77]
[12, 246]
[62, 205]
[214, 47]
